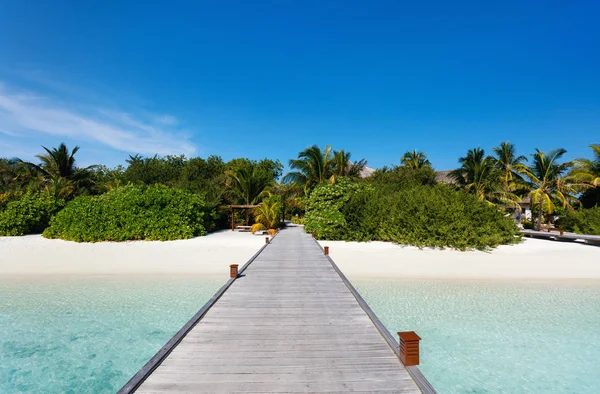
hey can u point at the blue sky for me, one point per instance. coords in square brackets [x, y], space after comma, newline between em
[267, 79]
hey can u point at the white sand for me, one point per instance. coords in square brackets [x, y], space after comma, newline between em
[212, 254]
[531, 259]
[209, 255]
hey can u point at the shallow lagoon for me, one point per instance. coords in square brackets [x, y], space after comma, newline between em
[497, 337]
[89, 335]
[92, 335]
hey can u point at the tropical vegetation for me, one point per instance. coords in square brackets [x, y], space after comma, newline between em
[590, 169]
[175, 197]
[315, 166]
[415, 160]
[551, 184]
[417, 214]
[505, 179]
[133, 213]
[267, 215]
[30, 213]
[583, 221]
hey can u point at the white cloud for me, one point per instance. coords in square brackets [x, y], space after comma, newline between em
[167, 120]
[25, 113]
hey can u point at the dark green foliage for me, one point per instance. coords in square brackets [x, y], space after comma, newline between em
[591, 198]
[154, 170]
[270, 169]
[398, 178]
[315, 166]
[29, 214]
[133, 213]
[324, 205]
[419, 215]
[441, 217]
[583, 221]
[204, 176]
[247, 180]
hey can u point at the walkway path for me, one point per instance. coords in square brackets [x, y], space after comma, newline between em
[556, 235]
[289, 324]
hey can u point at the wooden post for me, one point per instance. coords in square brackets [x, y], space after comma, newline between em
[326, 250]
[409, 348]
[266, 240]
[313, 234]
[233, 271]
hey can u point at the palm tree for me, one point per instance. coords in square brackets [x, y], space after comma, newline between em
[343, 166]
[267, 215]
[290, 195]
[246, 184]
[590, 169]
[62, 176]
[510, 165]
[8, 173]
[551, 183]
[415, 160]
[478, 175]
[313, 166]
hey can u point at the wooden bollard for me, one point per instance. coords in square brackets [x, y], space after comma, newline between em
[409, 348]
[266, 240]
[233, 271]
[313, 234]
[326, 250]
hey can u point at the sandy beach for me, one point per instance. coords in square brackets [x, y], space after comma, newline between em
[211, 255]
[531, 259]
[208, 255]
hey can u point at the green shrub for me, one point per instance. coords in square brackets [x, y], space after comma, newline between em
[423, 216]
[583, 221]
[7, 197]
[441, 217]
[297, 220]
[527, 224]
[399, 178]
[133, 213]
[29, 214]
[323, 216]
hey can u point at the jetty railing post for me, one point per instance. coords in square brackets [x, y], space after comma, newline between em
[233, 271]
[409, 348]
[326, 250]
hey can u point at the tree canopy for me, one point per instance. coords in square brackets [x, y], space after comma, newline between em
[315, 166]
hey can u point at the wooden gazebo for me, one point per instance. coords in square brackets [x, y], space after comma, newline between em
[234, 207]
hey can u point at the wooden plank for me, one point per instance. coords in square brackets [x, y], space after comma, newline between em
[419, 378]
[163, 353]
[591, 239]
[290, 324]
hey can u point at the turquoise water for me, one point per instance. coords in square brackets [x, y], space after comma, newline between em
[497, 337]
[91, 335]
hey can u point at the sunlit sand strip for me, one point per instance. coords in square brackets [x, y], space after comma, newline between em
[531, 259]
[210, 255]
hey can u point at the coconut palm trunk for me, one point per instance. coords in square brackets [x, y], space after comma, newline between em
[540, 216]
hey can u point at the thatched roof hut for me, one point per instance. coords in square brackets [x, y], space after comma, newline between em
[444, 177]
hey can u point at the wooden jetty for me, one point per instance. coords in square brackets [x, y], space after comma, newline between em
[290, 322]
[562, 236]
